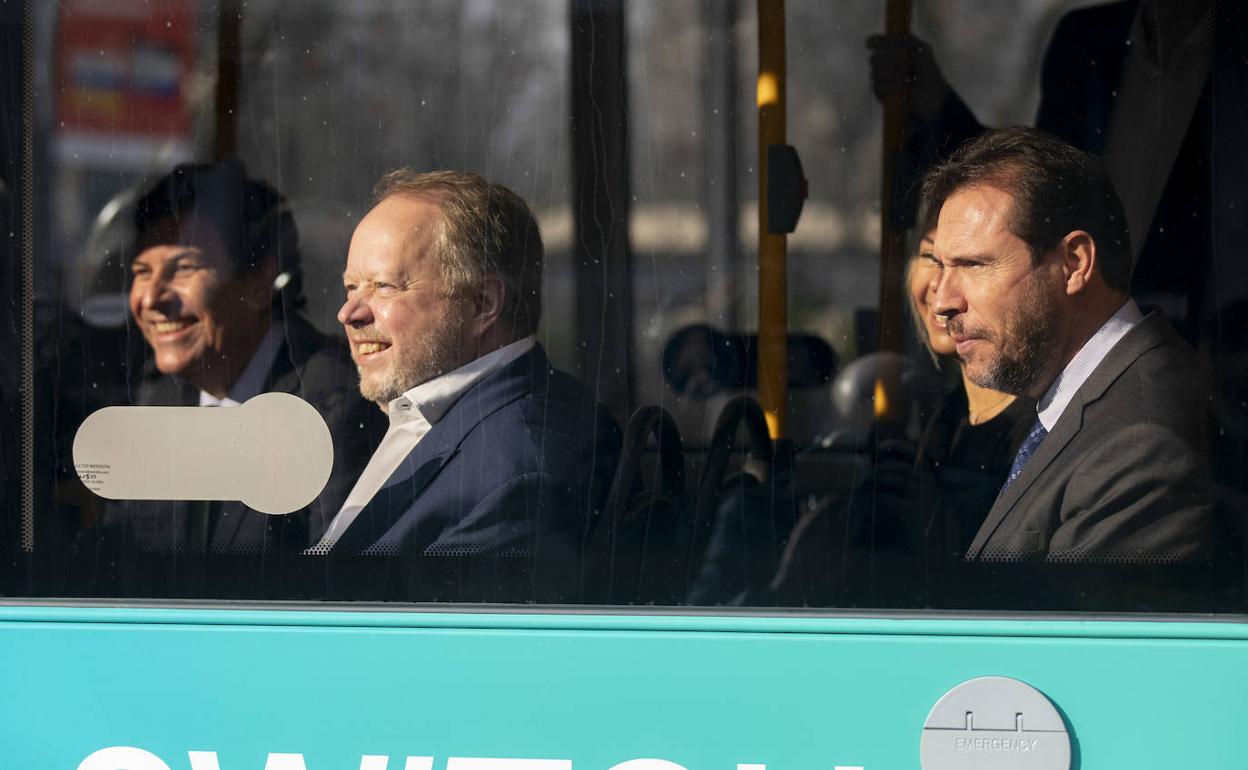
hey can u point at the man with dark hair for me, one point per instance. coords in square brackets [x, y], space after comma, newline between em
[215, 291]
[1034, 263]
[490, 451]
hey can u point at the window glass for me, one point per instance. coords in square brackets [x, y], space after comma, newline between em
[504, 265]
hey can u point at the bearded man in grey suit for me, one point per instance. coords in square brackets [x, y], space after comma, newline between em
[1035, 261]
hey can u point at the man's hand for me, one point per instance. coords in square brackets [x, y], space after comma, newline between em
[905, 64]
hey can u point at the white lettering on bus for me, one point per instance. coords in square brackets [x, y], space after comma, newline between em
[122, 758]
[201, 760]
[131, 758]
[646, 764]
[483, 763]
[207, 760]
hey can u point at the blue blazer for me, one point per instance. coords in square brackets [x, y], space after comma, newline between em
[519, 466]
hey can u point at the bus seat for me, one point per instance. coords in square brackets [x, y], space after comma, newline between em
[635, 553]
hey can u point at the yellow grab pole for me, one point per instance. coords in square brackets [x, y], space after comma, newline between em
[893, 255]
[773, 380]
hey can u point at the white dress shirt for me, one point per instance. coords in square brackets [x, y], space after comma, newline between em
[1059, 394]
[251, 381]
[412, 415]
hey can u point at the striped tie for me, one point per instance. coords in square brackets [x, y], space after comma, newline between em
[1025, 451]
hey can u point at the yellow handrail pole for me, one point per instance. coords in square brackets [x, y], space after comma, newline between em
[892, 238]
[773, 380]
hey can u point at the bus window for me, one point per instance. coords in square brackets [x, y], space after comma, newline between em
[523, 260]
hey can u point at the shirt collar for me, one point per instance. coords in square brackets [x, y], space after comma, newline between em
[1059, 394]
[251, 381]
[431, 400]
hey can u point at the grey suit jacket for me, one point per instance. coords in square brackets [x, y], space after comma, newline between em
[1123, 475]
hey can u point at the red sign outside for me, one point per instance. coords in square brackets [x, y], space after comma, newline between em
[122, 70]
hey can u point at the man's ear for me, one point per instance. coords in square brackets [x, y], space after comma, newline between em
[488, 304]
[1078, 255]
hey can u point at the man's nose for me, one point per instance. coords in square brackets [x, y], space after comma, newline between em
[155, 292]
[949, 299]
[355, 311]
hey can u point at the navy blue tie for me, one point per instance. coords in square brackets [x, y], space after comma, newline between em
[1025, 451]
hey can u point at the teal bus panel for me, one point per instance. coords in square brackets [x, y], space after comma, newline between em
[205, 689]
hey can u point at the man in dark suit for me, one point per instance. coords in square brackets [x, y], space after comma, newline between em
[215, 291]
[1035, 261]
[490, 451]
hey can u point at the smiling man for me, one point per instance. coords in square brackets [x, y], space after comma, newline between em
[1034, 262]
[215, 290]
[490, 451]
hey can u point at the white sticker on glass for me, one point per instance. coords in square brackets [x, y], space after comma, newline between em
[274, 453]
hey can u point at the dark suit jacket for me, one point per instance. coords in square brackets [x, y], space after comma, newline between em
[309, 364]
[519, 466]
[1123, 476]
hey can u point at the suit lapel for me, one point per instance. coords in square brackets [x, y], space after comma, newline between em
[1065, 429]
[227, 528]
[423, 464]
[300, 342]
[400, 491]
[1150, 333]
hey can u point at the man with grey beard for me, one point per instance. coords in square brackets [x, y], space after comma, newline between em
[1035, 262]
[490, 452]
